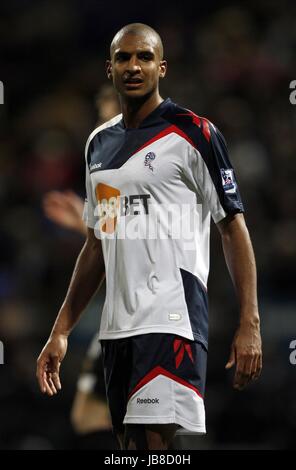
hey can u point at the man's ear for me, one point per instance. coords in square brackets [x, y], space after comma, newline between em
[109, 69]
[162, 68]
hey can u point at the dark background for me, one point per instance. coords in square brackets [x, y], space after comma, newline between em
[231, 62]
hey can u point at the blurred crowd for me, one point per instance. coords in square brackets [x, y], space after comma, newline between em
[232, 64]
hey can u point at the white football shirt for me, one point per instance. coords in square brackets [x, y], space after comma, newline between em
[151, 192]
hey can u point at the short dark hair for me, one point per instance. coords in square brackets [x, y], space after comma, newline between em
[137, 29]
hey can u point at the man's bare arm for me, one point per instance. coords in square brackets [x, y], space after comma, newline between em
[88, 274]
[246, 350]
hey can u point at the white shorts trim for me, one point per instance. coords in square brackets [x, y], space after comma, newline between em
[165, 401]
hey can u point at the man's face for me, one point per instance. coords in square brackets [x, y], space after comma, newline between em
[136, 66]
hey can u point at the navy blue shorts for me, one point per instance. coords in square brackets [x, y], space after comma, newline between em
[155, 378]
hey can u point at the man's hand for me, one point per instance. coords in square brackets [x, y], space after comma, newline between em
[65, 209]
[48, 364]
[246, 353]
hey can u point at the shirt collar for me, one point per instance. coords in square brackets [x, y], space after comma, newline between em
[154, 117]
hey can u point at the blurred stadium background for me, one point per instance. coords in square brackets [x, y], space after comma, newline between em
[231, 62]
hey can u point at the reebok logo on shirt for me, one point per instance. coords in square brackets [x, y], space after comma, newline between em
[95, 166]
[148, 401]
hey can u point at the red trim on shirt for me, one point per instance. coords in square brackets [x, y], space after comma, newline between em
[160, 371]
[169, 130]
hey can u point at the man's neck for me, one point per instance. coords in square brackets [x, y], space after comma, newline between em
[135, 111]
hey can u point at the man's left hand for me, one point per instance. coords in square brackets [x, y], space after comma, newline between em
[246, 354]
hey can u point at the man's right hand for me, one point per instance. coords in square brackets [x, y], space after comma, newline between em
[48, 364]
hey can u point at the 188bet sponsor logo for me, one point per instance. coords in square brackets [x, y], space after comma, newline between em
[112, 205]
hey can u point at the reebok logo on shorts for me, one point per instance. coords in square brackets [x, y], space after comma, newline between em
[150, 401]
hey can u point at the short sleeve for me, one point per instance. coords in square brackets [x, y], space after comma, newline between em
[210, 170]
[88, 215]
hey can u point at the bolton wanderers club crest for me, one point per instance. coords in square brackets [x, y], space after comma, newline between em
[148, 159]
